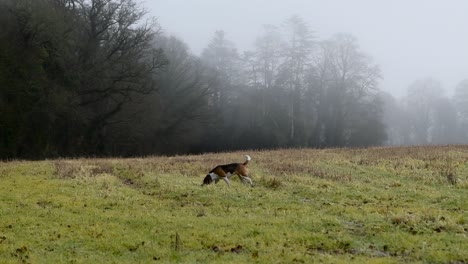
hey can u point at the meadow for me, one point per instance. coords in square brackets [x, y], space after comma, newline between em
[374, 205]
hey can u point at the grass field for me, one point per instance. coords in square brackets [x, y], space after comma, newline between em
[377, 205]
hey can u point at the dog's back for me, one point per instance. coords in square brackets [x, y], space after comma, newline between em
[228, 168]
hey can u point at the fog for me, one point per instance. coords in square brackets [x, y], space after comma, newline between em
[128, 77]
[409, 40]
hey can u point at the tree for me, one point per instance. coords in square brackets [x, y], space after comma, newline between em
[263, 64]
[116, 60]
[33, 75]
[268, 49]
[68, 67]
[183, 110]
[445, 128]
[343, 78]
[171, 120]
[461, 107]
[395, 119]
[421, 98]
[367, 127]
[222, 57]
[292, 72]
[261, 96]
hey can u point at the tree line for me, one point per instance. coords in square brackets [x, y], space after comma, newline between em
[99, 78]
[426, 115]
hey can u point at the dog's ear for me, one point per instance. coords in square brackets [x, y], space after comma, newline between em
[207, 180]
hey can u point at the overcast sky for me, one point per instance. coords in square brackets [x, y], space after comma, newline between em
[409, 39]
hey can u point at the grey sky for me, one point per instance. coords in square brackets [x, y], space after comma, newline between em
[409, 39]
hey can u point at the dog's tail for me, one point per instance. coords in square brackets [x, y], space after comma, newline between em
[247, 158]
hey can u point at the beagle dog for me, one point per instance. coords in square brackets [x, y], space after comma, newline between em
[226, 171]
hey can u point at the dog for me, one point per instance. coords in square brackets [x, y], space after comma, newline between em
[226, 171]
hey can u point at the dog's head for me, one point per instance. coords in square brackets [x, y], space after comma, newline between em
[207, 180]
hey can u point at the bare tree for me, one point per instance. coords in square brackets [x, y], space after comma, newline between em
[344, 77]
[461, 107]
[292, 73]
[261, 67]
[395, 119]
[221, 55]
[172, 119]
[421, 99]
[116, 59]
[445, 128]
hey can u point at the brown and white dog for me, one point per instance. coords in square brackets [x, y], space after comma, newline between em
[226, 171]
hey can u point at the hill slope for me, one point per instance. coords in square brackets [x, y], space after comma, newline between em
[335, 205]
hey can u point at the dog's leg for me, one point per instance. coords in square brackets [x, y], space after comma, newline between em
[227, 181]
[243, 173]
[246, 178]
[243, 180]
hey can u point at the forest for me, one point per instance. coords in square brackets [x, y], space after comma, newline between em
[101, 78]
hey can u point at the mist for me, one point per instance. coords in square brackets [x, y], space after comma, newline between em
[409, 40]
[131, 78]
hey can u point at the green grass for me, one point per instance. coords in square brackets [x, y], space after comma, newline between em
[377, 205]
